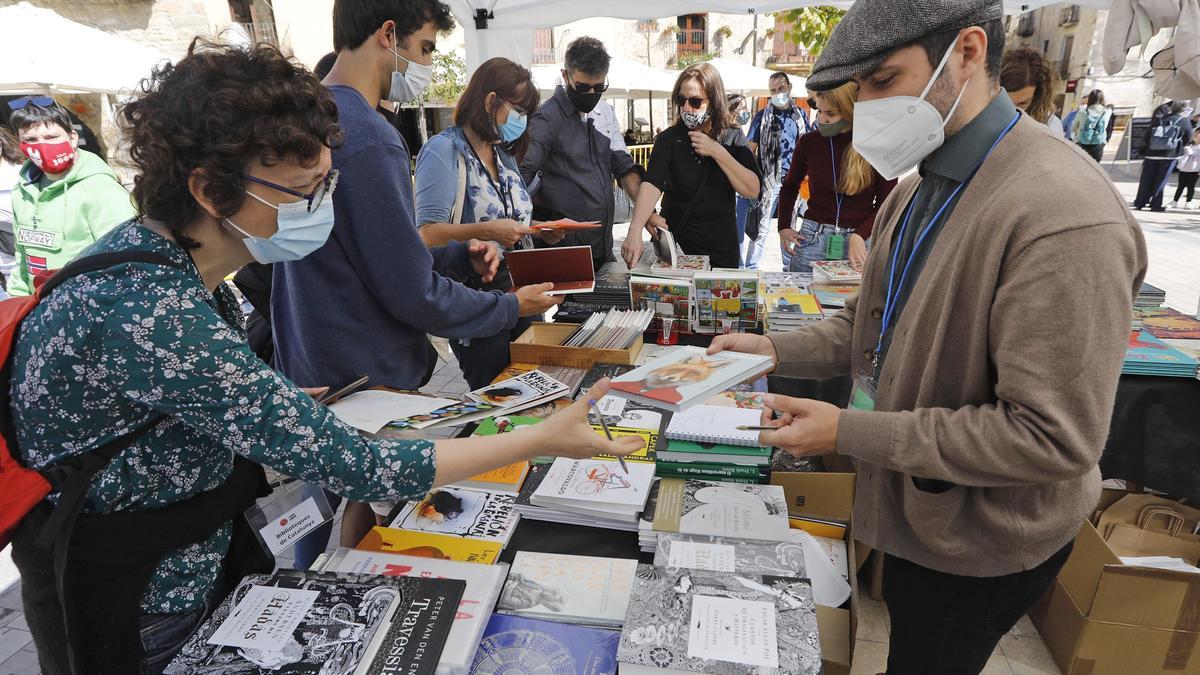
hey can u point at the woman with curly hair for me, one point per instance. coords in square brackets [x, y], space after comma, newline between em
[145, 357]
[1026, 76]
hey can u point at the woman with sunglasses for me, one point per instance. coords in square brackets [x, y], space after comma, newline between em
[66, 197]
[232, 153]
[469, 186]
[698, 170]
[845, 193]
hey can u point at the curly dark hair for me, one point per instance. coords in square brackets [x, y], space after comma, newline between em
[356, 20]
[588, 56]
[216, 110]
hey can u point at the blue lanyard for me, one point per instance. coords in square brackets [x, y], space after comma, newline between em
[837, 196]
[893, 290]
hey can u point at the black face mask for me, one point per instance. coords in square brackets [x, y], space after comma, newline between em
[584, 103]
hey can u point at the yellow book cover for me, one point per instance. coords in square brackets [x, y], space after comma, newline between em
[790, 302]
[817, 529]
[430, 545]
[648, 453]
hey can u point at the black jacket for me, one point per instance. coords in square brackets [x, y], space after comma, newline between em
[569, 168]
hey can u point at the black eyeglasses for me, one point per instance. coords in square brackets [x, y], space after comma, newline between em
[39, 101]
[585, 88]
[323, 189]
[694, 101]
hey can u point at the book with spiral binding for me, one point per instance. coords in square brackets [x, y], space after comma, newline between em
[715, 424]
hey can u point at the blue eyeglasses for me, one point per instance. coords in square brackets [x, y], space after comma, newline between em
[40, 101]
[314, 198]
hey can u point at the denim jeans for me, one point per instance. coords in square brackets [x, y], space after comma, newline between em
[945, 624]
[163, 635]
[813, 239]
[741, 210]
[754, 248]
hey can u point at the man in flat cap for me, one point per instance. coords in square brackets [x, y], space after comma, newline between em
[985, 343]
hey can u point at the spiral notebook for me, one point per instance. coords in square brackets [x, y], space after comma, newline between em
[715, 424]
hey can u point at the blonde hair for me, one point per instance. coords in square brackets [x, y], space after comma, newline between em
[857, 176]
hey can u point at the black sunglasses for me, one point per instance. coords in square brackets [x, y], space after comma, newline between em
[39, 101]
[694, 101]
[585, 88]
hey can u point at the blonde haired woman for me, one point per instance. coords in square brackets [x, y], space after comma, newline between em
[1026, 76]
[845, 192]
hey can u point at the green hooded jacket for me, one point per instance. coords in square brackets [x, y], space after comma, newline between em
[53, 225]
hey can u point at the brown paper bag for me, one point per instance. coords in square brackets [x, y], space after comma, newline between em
[1128, 540]
[1128, 510]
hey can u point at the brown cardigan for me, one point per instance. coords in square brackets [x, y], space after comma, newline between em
[1003, 368]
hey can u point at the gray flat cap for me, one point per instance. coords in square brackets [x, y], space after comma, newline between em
[873, 29]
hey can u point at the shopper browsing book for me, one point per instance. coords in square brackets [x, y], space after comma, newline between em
[698, 170]
[163, 371]
[976, 432]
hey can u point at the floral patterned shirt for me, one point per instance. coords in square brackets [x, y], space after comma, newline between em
[109, 350]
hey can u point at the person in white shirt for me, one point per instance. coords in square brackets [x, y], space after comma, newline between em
[605, 119]
[1189, 172]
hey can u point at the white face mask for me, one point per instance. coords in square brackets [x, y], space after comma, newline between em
[411, 83]
[894, 134]
[781, 100]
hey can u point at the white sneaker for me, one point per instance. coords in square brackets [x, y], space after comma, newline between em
[1173, 205]
[1187, 206]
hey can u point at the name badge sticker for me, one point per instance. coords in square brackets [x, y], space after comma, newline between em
[289, 513]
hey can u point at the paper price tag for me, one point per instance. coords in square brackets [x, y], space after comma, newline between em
[700, 556]
[265, 618]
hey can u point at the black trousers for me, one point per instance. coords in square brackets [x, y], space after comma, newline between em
[1153, 180]
[484, 358]
[1096, 151]
[1187, 182]
[945, 624]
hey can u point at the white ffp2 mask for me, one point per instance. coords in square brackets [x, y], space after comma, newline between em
[894, 134]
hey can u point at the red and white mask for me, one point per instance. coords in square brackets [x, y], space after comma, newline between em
[53, 158]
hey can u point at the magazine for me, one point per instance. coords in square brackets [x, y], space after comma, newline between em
[461, 512]
[576, 589]
[523, 391]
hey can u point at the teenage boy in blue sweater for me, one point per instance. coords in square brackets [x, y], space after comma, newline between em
[364, 302]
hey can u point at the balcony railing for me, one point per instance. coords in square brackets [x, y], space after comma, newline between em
[1070, 16]
[260, 32]
[1027, 26]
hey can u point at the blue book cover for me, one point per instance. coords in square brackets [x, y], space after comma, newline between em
[1148, 355]
[514, 644]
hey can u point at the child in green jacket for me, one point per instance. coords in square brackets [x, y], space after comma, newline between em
[65, 199]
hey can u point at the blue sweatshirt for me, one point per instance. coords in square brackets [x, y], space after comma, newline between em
[363, 302]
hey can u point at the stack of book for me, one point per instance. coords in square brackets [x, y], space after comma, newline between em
[615, 329]
[667, 298]
[684, 267]
[704, 443]
[726, 301]
[527, 509]
[719, 509]
[719, 622]
[1148, 355]
[297, 621]
[688, 376]
[790, 308]
[580, 590]
[1166, 323]
[483, 586]
[527, 390]
[461, 512]
[834, 296]
[431, 545]
[1150, 296]
[835, 272]
[595, 492]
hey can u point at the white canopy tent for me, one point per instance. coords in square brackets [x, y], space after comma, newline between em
[506, 27]
[85, 60]
[744, 78]
[626, 79]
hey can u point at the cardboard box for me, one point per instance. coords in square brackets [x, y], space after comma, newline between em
[829, 496]
[1105, 618]
[542, 344]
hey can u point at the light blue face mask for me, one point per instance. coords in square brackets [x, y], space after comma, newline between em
[513, 127]
[300, 231]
